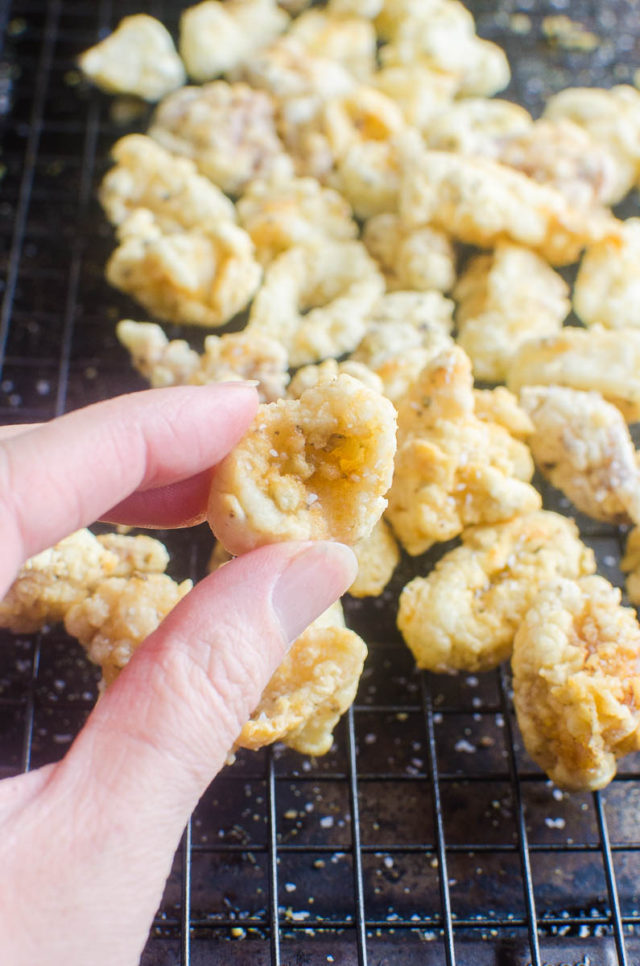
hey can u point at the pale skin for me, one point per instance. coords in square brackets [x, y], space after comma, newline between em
[86, 844]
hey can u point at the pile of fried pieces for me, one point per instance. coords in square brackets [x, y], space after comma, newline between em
[321, 175]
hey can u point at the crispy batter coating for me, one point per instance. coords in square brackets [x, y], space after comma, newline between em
[463, 616]
[611, 117]
[422, 259]
[299, 211]
[576, 681]
[419, 91]
[199, 277]
[288, 72]
[378, 556]
[476, 126]
[309, 376]
[501, 406]
[566, 156]
[442, 36]
[347, 40]
[453, 469]
[317, 467]
[582, 445]
[147, 176]
[315, 299]
[607, 289]
[52, 581]
[482, 202]
[119, 613]
[312, 688]
[226, 358]
[630, 565]
[137, 58]
[405, 331]
[369, 176]
[217, 37]
[228, 130]
[504, 299]
[597, 359]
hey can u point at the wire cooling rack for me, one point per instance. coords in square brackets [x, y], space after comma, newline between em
[426, 835]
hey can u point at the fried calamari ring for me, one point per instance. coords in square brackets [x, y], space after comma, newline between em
[310, 376]
[228, 130]
[504, 299]
[582, 445]
[420, 259]
[313, 468]
[315, 300]
[464, 615]
[576, 681]
[607, 289]
[199, 277]
[312, 688]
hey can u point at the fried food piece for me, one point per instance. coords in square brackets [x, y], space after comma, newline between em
[453, 469]
[422, 259]
[288, 72]
[611, 117]
[378, 556]
[199, 277]
[315, 299]
[463, 616]
[217, 37]
[504, 299]
[138, 58]
[476, 126]
[582, 445]
[420, 92]
[405, 331]
[607, 289]
[147, 176]
[501, 406]
[317, 467]
[226, 358]
[369, 9]
[280, 214]
[312, 688]
[228, 130]
[597, 359]
[562, 154]
[630, 565]
[48, 584]
[442, 36]
[576, 682]
[346, 40]
[482, 202]
[119, 614]
[310, 376]
[369, 176]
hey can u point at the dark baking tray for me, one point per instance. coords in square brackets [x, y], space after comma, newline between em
[426, 835]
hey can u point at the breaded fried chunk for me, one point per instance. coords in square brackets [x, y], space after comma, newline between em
[463, 616]
[317, 467]
[576, 681]
[312, 688]
[452, 469]
[137, 58]
[582, 445]
[378, 556]
[48, 584]
[597, 359]
[607, 289]
[422, 259]
[504, 299]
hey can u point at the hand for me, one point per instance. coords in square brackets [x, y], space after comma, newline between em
[86, 844]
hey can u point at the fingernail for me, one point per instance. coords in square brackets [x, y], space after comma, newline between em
[310, 583]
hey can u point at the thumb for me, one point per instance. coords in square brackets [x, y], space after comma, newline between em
[123, 793]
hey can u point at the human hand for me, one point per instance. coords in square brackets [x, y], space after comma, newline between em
[86, 844]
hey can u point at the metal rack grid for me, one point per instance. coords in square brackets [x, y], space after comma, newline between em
[425, 835]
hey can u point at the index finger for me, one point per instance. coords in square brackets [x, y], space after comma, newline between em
[66, 474]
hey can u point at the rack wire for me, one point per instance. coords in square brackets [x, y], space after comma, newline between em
[426, 835]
